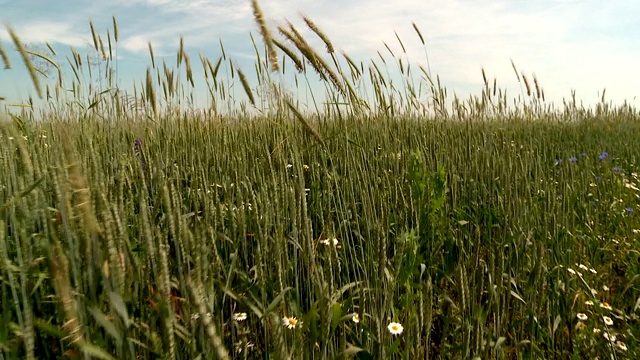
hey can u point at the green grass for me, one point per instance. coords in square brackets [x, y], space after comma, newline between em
[139, 231]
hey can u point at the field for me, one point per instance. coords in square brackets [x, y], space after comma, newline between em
[392, 228]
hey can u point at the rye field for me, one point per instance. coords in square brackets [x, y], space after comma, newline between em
[391, 221]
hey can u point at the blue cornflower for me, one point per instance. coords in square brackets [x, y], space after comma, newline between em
[573, 159]
[137, 145]
[603, 156]
[598, 178]
[629, 209]
[617, 168]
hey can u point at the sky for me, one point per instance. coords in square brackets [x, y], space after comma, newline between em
[580, 45]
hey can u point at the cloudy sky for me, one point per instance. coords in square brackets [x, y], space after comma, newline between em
[568, 44]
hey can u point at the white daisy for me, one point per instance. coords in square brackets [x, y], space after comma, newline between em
[291, 322]
[241, 316]
[395, 328]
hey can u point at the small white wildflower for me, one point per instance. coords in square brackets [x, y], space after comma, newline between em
[593, 271]
[582, 316]
[609, 337]
[607, 320]
[631, 186]
[583, 267]
[291, 322]
[594, 292]
[241, 316]
[395, 328]
[622, 346]
[596, 331]
[605, 288]
[571, 271]
[289, 166]
[328, 242]
[606, 305]
[588, 302]
[355, 318]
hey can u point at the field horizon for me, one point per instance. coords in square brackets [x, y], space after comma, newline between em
[391, 220]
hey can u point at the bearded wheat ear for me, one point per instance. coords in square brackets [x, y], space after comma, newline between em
[320, 34]
[266, 35]
[5, 58]
[526, 84]
[298, 63]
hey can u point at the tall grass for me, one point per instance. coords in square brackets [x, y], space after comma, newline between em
[133, 228]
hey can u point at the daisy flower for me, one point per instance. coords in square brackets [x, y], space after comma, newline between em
[582, 316]
[611, 338]
[241, 316]
[291, 322]
[607, 320]
[606, 306]
[395, 328]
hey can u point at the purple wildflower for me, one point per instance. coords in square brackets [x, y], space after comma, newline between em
[557, 162]
[598, 178]
[617, 168]
[629, 209]
[137, 145]
[603, 156]
[573, 159]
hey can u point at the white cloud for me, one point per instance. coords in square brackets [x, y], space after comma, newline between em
[564, 42]
[136, 44]
[47, 31]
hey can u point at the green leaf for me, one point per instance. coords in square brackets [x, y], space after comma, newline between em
[336, 295]
[41, 278]
[103, 321]
[335, 318]
[237, 298]
[515, 295]
[118, 304]
[350, 351]
[556, 323]
[49, 329]
[95, 351]
[277, 300]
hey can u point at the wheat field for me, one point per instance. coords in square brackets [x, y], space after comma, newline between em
[389, 223]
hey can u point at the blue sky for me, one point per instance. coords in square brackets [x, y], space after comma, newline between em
[568, 44]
